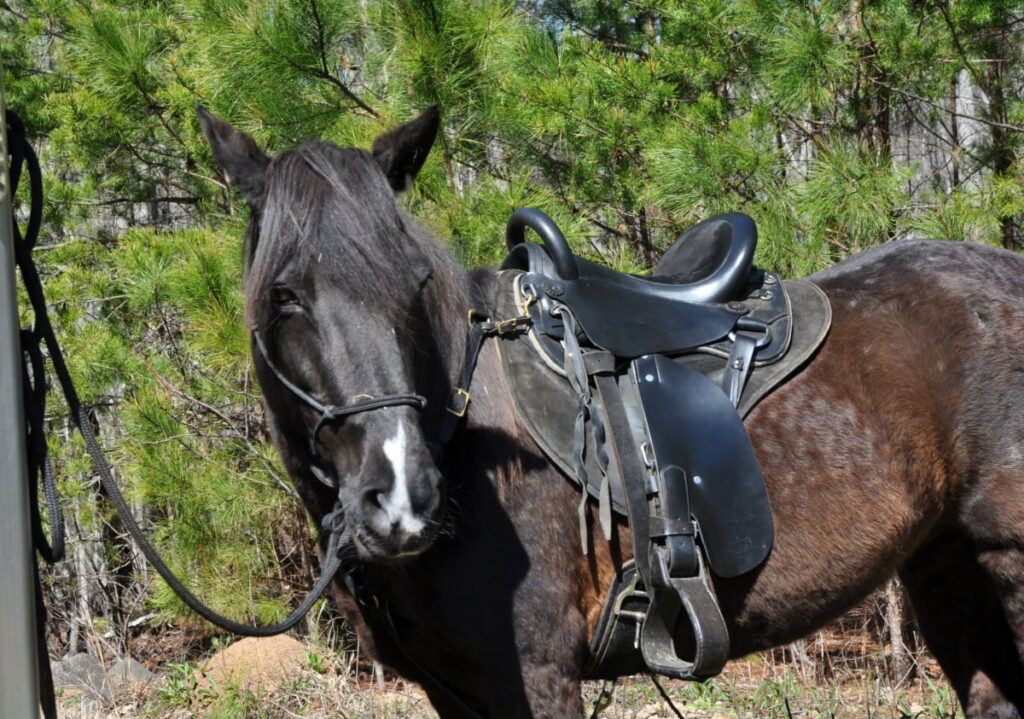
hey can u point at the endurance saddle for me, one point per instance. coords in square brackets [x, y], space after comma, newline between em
[635, 387]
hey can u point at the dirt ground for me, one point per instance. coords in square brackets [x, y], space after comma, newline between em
[844, 672]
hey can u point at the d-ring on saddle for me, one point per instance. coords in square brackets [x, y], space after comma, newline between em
[602, 382]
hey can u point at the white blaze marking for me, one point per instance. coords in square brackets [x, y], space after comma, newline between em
[397, 503]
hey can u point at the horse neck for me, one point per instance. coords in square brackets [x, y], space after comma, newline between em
[449, 296]
[452, 292]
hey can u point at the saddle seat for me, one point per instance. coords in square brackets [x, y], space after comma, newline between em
[683, 304]
[707, 264]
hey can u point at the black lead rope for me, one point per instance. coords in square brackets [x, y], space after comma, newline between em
[33, 375]
[604, 698]
[39, 464]
[665, 696]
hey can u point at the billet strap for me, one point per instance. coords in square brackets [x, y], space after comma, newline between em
[737, 371]
[575, 367]
[741, 357]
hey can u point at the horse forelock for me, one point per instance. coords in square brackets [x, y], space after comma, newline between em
[330, 210]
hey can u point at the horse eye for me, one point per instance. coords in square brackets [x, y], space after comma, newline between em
[283, 296]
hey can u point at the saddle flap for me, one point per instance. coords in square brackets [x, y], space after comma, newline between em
[723, 480]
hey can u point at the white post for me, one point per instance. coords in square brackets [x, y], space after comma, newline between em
[19, 683]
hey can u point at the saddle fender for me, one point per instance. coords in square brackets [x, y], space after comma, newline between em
[723, 481]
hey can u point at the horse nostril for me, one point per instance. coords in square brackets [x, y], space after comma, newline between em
[375, 498]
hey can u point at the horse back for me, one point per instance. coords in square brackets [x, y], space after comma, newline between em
[908, 416]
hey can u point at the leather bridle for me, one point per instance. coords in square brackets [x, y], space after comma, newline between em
[331, 412]
[480, 327]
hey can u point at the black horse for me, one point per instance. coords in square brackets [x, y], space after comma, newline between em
[898, 448]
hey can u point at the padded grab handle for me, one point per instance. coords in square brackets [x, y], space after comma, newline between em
[553, 239]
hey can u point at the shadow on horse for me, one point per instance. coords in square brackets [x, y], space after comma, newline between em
[897, 449]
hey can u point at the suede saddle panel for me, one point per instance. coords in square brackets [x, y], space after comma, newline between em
[548, 406]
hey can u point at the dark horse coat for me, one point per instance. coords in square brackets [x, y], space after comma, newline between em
[899, 448]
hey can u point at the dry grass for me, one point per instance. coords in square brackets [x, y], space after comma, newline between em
[829, 675]
[851, 669]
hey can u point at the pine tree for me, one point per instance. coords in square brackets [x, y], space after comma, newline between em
[836, 125]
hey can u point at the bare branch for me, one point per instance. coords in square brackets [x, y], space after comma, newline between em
[943, 108]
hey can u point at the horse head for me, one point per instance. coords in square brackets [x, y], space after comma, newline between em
[341, 302]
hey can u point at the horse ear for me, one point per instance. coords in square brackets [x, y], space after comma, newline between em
[237, 154]
[402, 151]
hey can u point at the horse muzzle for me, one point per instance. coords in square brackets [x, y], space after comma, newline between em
[400, 521]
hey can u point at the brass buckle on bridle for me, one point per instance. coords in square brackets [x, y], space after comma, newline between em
[510, 325]
[459, 392]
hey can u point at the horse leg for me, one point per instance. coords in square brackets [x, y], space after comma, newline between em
[994, 519]
[543, 681]
[962, 620]
[532, 690]
[1004, 566]
[449, 708]
[552, 694]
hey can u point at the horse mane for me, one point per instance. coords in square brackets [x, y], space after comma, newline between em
[333, 206]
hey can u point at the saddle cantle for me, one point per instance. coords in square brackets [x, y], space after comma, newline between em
[635, 387]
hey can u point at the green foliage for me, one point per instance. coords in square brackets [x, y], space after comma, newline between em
[834, 124]
[179, 685]
[851, 198]
[155, 324]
